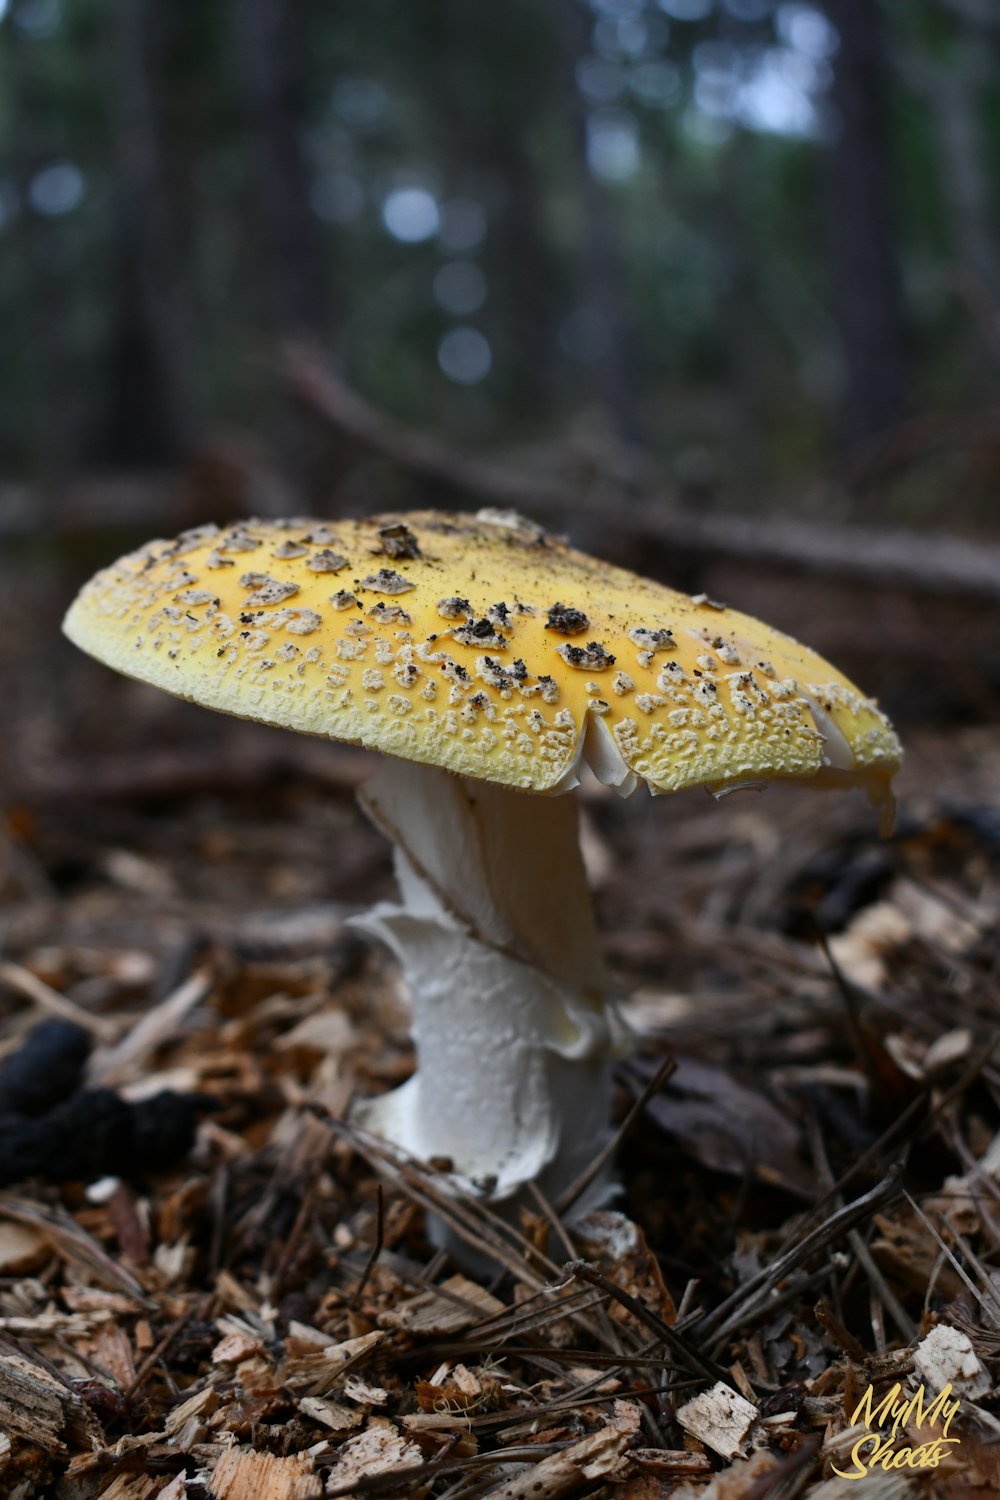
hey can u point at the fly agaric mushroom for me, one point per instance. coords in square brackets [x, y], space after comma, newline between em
[486, 660]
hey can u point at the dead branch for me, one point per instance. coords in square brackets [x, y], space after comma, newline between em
[883, 557]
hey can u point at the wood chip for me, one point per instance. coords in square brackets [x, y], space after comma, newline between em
[72, 1242]
[594, 1457]
[380, 1449]
[23, 1248]
[322, 1371]
[675, 1461]
[739, 1481]
[337, 1415]
[36, 1406]
[243, 1474]
[236, 1347]
[433, 1429]
[112, 1066]
[878, 1486]
[201, 1406]
[46, 1325]
[133, 1487]
[360, 1390]
[720, 1419]
[327, 1031]
[458, 1304]
[620, 1247]
[30, 987]
[110, 1349]
[946, 1357]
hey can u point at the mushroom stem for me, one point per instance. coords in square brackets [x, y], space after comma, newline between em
[513, 1026]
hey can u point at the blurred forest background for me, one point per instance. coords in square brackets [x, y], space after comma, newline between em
[713, 286]
[757, 241]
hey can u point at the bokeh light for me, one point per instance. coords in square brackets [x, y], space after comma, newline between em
[38, 19]
[411, 214]
[465, 356]
[686, 10]
[600, 80]
[56, 189]
[612, 145]
[807, 30]
[460, 287]
[360, 102]
[656, 82]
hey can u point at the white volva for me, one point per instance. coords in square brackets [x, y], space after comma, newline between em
[494, 932]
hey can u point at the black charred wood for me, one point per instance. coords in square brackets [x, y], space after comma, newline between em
[98, 1134]
[45, 1070]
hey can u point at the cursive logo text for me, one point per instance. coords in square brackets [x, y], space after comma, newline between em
[888, 1420]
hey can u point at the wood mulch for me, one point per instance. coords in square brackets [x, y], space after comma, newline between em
[810, 1194]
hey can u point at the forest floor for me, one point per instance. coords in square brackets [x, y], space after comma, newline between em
[810, 1199]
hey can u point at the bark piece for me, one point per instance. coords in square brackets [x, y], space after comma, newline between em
[36, 1406]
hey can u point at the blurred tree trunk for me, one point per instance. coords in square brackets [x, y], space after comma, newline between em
[745, 330]
[46, 410]
[485, 125]
[969, 183]
[284, 226]
[533, 288]
[602, 281]
[956, 91]
[864, 273]
[283, 229]
[153, 403]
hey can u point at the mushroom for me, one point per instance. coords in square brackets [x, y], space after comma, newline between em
[486, 664]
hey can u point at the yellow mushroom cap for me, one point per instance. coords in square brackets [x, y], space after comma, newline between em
[483, 645]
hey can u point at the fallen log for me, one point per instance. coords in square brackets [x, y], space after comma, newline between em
[931, 563]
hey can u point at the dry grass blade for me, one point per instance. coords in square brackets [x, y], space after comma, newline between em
[591, 1172]
[479, 1228]
[728, 1316]
[679, 1347]
[113, 1066]
[30, 987]
[879, 1287]
[414, 1477]
[71, 1241]
[989, 1303]
[379, 1241]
